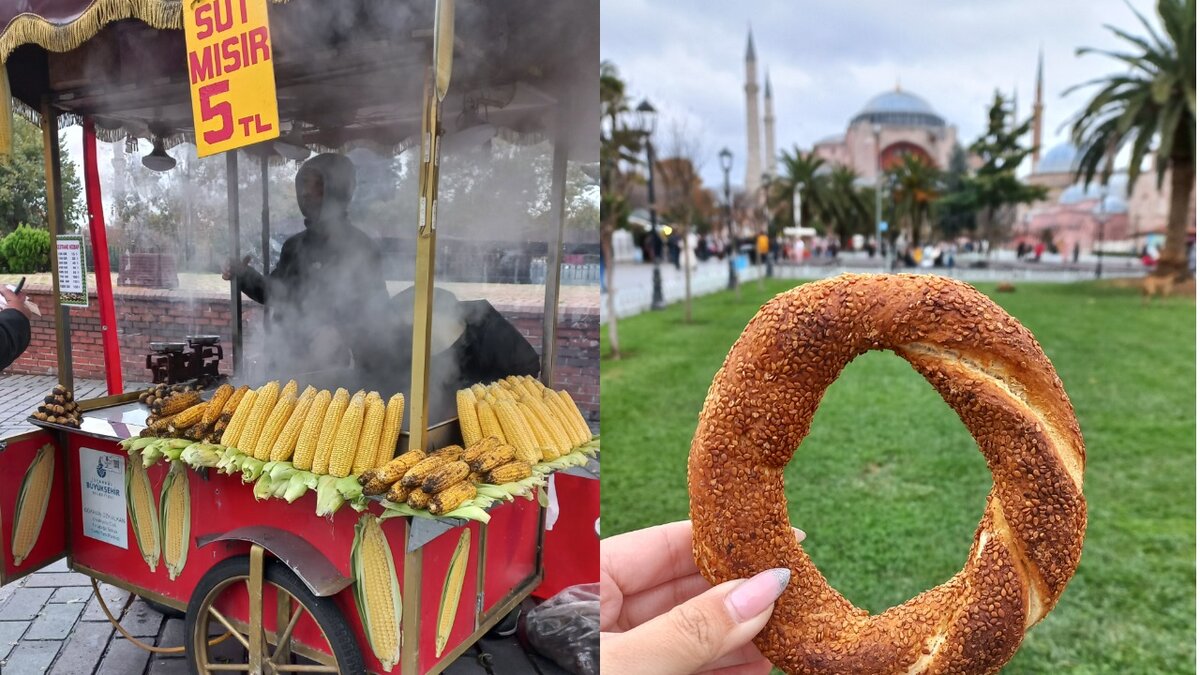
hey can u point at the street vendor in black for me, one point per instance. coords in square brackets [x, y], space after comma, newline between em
[327, 290]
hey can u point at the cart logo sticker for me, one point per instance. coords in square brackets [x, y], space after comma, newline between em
[102, 488]
[232, 74]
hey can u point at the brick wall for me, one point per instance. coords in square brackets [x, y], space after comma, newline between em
[151, 315]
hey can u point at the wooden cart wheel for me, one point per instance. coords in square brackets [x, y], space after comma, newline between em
[262, 646]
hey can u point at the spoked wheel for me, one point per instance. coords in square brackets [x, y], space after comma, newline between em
[288, 629]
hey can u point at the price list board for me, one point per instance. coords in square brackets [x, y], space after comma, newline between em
[72, 271]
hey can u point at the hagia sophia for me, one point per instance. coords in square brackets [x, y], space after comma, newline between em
[897, 122]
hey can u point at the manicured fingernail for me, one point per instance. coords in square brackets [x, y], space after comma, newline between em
[757, 593]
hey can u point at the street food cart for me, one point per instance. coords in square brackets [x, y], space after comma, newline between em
[267, 584]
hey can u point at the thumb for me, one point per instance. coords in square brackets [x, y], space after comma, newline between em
[698, 632]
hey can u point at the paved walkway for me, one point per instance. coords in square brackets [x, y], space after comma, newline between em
[633, 282]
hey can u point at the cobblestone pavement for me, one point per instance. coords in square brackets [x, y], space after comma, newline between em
[50, 622]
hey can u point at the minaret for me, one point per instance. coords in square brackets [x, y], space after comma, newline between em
[769, 123]
[753, 139]
[1037, 115]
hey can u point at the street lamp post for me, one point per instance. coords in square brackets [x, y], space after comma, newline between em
[1101, 216]
[878, 192]
[646, 118]
[726, 164]
[765, 258]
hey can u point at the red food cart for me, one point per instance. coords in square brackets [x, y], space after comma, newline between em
[269, 586]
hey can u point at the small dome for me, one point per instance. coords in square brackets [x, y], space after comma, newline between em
[832, 139]
[1062, 158]
[899, 108]
[1114, 199]
[1111, 204]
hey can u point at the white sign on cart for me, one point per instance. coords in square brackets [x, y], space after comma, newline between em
[102, 484]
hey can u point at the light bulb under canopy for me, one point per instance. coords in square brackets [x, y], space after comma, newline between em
[158, 159]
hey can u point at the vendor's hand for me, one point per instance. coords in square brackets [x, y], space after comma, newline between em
[15, 301]
[659, 616]
[235, 267]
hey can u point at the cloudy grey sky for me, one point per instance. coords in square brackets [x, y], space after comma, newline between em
[827, 58]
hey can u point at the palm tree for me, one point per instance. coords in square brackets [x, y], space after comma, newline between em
[916, 184]
[1153, 102]
[849, 206]
[803, 170]
[618, 145]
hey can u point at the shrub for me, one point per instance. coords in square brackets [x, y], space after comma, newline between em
[26, 250]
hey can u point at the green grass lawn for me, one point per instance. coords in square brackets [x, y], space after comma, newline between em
[890, 486]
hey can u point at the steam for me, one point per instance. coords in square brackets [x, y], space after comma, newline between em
[495, 203]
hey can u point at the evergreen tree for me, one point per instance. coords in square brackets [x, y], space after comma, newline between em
[994, 190]
[954, 219]
[23, 183]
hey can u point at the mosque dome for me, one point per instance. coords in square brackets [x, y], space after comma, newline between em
[1113, 196]
[899, 108]
[1062, 158]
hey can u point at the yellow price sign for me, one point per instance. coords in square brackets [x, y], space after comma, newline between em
[232, 74]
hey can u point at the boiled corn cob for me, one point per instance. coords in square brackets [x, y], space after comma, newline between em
[290, 389]
[393, 418]
[517, 432]
[451, 498]
[541, 436]
[473, 451]
[285, 444]
[377, 590]
[368, 441]
[468, 419]
[444, 476]
[489, 424]
[264, 405]
[233, 432]
[32, 500]
[175, 518]
[565, 417]
[274, 426]
[575, 416]
[509, 473]
[329, 428]
[415, 476]
[479, 390]
[452, 592]
[487, 461]
[306, 443]
[220, 397]
[143, 512]
[345, 443]
[559, 437]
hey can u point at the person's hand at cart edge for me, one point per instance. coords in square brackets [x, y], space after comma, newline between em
[658, 616]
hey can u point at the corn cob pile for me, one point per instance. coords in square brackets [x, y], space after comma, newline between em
[322, 432]
[343, 446]
[539, 423]
[59, 408]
